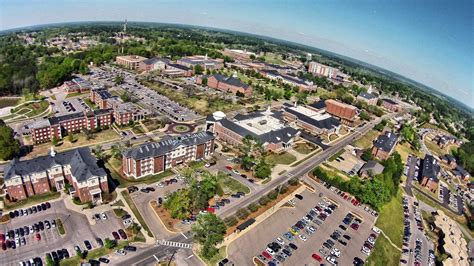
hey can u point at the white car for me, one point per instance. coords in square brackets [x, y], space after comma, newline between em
[336, 252]
[207, 165]
[103, 216]
[161, 184]
[280, 241]
[331, 259]
[270, 251]
[302, 237]
[235, 172]
[376, 230]
[121, 252]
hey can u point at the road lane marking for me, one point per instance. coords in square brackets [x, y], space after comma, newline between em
[192, 255]
[156, 258]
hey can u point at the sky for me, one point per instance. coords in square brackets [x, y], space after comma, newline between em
[430, 41]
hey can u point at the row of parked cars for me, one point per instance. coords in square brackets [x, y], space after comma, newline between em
[31, 210]
[284, 246]
[32, 262]
[17, 237]
[350, 198]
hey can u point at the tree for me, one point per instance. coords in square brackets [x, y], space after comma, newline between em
[302, 97]
[204, 81]
[49, 260]
[179, 203]
[110, 244]
[263, 170]
[9, 146]
[81, 254]
[198, 70]
[54, 141]
[208, 231]
[117, 150]
[70, 137]
[367, 155]
[99, 152]
[118, 80]
[364, 116]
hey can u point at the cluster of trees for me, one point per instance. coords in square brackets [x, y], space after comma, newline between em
[376, 191]
[195, 197]
[208, 231]
[253, 157]
[380, 126]
[9, 146]
[409, 134]
[465, 156]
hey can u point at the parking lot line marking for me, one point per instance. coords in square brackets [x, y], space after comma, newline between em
[184, 235]
[156, 258]
[190, 256]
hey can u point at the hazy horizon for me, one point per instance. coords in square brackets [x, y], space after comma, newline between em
[428, 42]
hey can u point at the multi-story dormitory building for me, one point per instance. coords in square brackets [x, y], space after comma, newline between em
[123, 112]
[156, 157]
[59, 126]
[43, 174]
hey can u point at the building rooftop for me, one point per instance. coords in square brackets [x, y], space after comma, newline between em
[389, 101]
[387, 141]
[153, 149]
[373, 166]
[318, 105]
[132, 58]
[430, 168]
[155, 60]
[317, 119]
[230, 80]
[83, 164]
[367, 96]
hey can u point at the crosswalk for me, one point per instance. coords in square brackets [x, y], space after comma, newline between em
[174, 244]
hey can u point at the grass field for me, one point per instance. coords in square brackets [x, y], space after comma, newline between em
[31, 109]
[230, 185]
[135, 211]
[384, 254]
[7, 102]
[366, 141]
[405, 149]
[391, 222]
[434, 148]
[304, 148]
[391, 219]
[283, 158]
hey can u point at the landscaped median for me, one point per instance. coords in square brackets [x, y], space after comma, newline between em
[136, 212]
[38, 198]
[60, 226]
[165, 217]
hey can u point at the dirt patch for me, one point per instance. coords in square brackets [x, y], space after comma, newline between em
[165, 217]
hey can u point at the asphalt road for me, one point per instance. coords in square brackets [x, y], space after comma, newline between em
[301, 169]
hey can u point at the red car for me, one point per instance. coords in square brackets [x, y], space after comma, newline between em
[2, 238]
[355, 226]
[228, 167]
[267, 255]
[4, 246]
[317, 257]
[38, 237]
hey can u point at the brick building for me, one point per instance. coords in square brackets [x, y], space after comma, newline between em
[177, 70]
[390, 105]
[203, 61]
[152, 64]
[369, 98]
[76, 85]
[59, 126]
[154, 158]
[322, 70]
[429, 173]
[265, 126]
[227, 84]
[384, 145]
[315, 122]
[130, 61]
[100, 96]
[43, 174]
[347, 113]
[303, 85]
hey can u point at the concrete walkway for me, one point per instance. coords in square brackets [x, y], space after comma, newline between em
[103, 208]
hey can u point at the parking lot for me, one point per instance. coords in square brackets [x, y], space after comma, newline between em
[77, 229]
[70, 106]
[253, 242]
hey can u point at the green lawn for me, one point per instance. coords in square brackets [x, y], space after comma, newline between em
[283, 158]
[7, 102]
[92, 254]
[230, 185]
[337, 154]
[36, 108]
[32, 200]
[61, 229]
[135, 211]
[391, 219]
[384, 254]
[74, 94]
[218, 257]
[304, 148]
[366, 141]
[120, 212]
[91, 105]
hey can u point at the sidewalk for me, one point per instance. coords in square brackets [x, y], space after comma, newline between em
[103, 208]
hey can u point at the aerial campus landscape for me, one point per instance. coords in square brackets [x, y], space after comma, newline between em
[142, 143]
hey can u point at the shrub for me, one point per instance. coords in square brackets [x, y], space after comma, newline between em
[273, 194]
[231, 221]
[242, 213]
[263, 200]
[283, 189]
[253, 207]
[293, 182]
